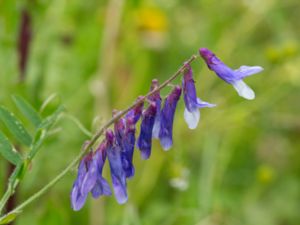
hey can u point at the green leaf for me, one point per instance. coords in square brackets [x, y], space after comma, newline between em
[7, 150]
[41, 132]
[29, 112]
[15, 126]
[9, 217]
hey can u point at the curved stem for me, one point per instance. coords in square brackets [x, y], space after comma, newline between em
[94, 139]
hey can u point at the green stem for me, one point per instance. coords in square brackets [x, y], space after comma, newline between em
[5, 197]
[93, 141]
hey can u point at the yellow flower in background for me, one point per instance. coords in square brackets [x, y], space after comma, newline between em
[265, 174]
[152, 19]
[153, 25]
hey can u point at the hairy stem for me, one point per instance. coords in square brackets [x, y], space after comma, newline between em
[95, 138]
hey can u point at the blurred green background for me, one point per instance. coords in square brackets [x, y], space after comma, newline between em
[240, 166]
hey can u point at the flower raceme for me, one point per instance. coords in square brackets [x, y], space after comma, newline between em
[156, 123]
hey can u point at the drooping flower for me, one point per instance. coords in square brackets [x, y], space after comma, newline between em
[124, 130]
[145, 139]
[192, 103]
[233, 77]
[77, 198]
[116, 168]
[157, 99]
[167, 117]
[128, 147]
[101, 186]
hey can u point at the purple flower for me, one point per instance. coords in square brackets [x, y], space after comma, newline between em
[116, 168]
[233, 77]
[125, 138]
[101, 186]
[192, 103]
[167, 117]
[145, 139]
[77, 198]
[136, 112]
[157, 99]
[128, 147]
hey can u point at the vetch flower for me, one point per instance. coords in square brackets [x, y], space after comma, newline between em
[128, 147]
[233, 77]
[90, 177]
[77, 198]
[157, 99]
[116, 169]
[192, 103]
[101, 186]
[136, 112]
[124, 130]
[145, 139]
[167, 117]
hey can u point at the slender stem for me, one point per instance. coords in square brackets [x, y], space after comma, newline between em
[95, 138]
[5, 197]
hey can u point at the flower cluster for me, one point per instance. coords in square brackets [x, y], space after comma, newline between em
[156, 122]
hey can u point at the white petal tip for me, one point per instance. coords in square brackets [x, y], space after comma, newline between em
[192, 118]
[166, 143]
[244, 90]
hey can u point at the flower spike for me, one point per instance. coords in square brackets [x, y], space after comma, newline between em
[192, 103]
[233, 77]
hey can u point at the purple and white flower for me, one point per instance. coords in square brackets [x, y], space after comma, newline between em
[192, 103]
[233, 77]
[167, 118]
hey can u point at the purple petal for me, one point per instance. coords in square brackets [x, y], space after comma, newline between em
[216, 65]
[128, 148]
[101, 188]
[189, 90]
[90, 177]
[77, 199]
[157, 99]
[116, 170]
[167, 118]
[227, 74]
[145, 139]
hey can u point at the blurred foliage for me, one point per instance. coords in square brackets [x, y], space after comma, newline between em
[240, 166]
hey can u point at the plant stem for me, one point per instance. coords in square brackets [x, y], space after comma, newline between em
[94, 139]
[5, 198]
